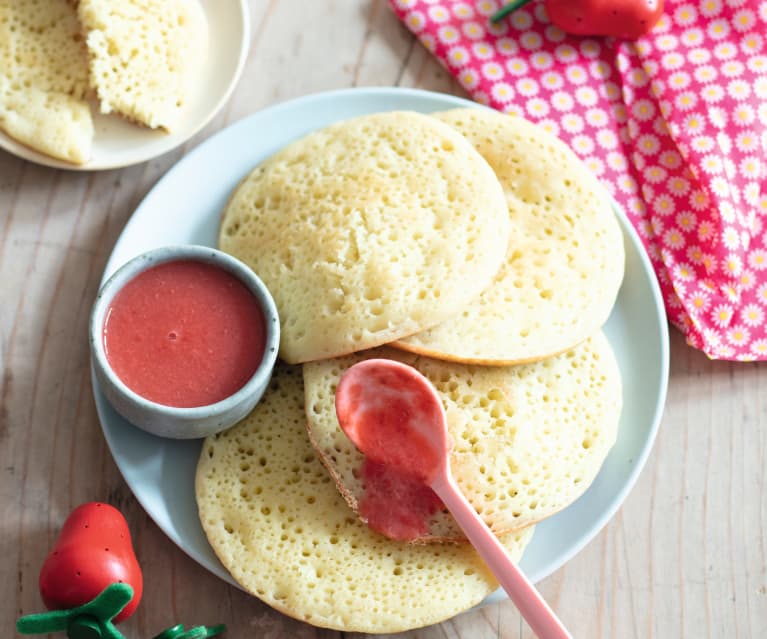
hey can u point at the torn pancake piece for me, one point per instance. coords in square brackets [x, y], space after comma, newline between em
[145, 56]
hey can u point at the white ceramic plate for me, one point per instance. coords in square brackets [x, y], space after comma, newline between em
[184, 207]
[118, 143]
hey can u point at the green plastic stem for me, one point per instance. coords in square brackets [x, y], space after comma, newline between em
[92, 620]
[507, 9]
[84, 628]
[171, 633]
[196, 632]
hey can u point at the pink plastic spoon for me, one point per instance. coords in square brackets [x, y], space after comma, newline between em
[394, 416]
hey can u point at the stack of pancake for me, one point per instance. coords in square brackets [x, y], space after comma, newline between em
[136, 58]
[470, 245]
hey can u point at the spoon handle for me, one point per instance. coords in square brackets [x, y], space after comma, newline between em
[540, 617]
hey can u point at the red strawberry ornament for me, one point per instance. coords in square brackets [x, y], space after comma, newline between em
[625, 19]
[92, 551]
[91, 580]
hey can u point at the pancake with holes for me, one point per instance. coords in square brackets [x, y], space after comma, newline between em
[565, 258]
[145, 56]
[44, 79]
[367, 231]
[527, 439]
[276, 521]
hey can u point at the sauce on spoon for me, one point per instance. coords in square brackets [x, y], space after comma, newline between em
[392, 418]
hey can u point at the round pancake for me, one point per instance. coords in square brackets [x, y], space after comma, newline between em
[276, 521]
[369, 230]
[565, 258]
[527, 439]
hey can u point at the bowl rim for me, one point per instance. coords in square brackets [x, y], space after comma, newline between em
[199, 253]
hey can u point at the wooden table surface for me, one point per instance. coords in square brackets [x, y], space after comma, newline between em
[685, 556]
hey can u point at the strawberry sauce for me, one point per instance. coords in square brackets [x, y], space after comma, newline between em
[184, 334]
[394, 504]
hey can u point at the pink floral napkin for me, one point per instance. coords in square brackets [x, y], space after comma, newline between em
[674, 124]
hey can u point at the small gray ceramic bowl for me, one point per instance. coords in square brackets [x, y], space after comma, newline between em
[169, 421]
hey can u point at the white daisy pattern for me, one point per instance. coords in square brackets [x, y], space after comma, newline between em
[758, 259]
[572, 123]
[562, 101]
[552, 81]
[586, 96]
[673, 238]
[699, 302]
[761, 294]
[738, 335]
[502, 92]
[492, 71]
[527, 87]
[482, 51]
[673, 124]
[664, 205]
[684, 272]
[583, 145]
[596, 117]
[517, 66]
[536, 108]
[722, 314]
[685, 15]
[732, 69]
[458, 57]
[752, 315]
[686, 220]
[541, 60]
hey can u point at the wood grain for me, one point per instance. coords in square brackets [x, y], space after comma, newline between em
[686, 556]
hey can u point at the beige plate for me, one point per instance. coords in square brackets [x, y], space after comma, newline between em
[118, 143]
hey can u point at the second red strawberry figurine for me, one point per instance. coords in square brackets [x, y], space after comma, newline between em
[91, 580]
[625, 19]
[92, 551]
